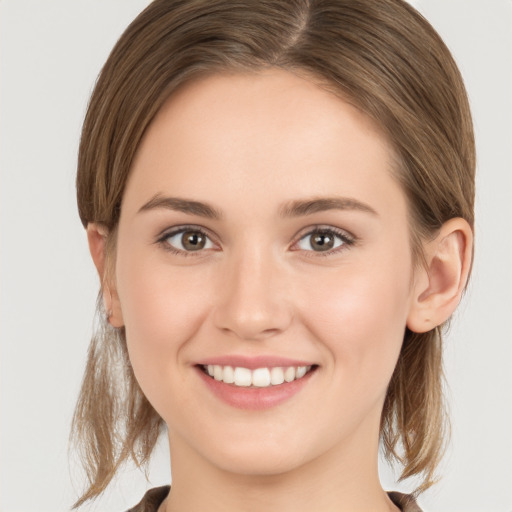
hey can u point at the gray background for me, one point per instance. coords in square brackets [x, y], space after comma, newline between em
[51, 52]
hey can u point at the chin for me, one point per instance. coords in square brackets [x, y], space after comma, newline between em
[261, 456]
[260, 463]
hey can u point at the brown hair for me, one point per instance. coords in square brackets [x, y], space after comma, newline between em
[383, 57]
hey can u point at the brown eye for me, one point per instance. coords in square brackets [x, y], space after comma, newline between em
[188, 240]
[193, 240]
[323, 240]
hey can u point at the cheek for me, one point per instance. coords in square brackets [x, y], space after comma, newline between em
[361, 316]
[156, 311]
[162, 310]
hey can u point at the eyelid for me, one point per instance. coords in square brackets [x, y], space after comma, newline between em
[348, 239]
[167, 233]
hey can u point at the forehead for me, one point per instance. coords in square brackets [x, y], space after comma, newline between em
[263, 134]
[279, 101]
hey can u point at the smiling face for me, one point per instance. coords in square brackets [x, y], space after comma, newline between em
[261, 228]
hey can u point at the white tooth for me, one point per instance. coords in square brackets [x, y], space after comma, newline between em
[217, 372]
[243, 376]
[261, 377]
[289, 374]
[301, 371]
[276, 376]
[210, 370]
[229, 375]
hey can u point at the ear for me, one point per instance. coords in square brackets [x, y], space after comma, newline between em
[97, 235]
[438, 288]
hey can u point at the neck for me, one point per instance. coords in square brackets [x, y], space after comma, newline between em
[334, 481]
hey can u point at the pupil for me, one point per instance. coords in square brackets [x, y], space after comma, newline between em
[193, 241]
[322, 242]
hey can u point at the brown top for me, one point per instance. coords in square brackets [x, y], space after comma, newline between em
[154, 498]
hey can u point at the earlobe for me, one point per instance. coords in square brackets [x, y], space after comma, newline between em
[97, 235]
[438, 288]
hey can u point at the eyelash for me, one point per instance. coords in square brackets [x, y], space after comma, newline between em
[347, 240]
[162, 240]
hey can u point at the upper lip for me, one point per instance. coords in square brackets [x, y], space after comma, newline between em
[253, 362]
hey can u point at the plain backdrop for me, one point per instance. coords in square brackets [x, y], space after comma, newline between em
[51, 53]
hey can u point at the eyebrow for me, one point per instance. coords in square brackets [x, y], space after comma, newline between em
[182, 205]
[296, 208]
[308, 207]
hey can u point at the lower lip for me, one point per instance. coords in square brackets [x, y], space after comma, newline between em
[254, 398]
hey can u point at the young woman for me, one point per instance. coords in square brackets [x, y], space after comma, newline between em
[278, 198]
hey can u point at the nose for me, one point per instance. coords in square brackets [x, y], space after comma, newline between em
[254, 300]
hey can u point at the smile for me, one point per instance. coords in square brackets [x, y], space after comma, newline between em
[255, 383]
[259, 377]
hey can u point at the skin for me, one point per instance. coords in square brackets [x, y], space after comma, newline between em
[250, 145]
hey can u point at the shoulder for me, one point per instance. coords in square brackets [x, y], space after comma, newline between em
[405, 502]
[152, 500]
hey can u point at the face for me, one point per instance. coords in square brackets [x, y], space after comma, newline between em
[262, 235]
